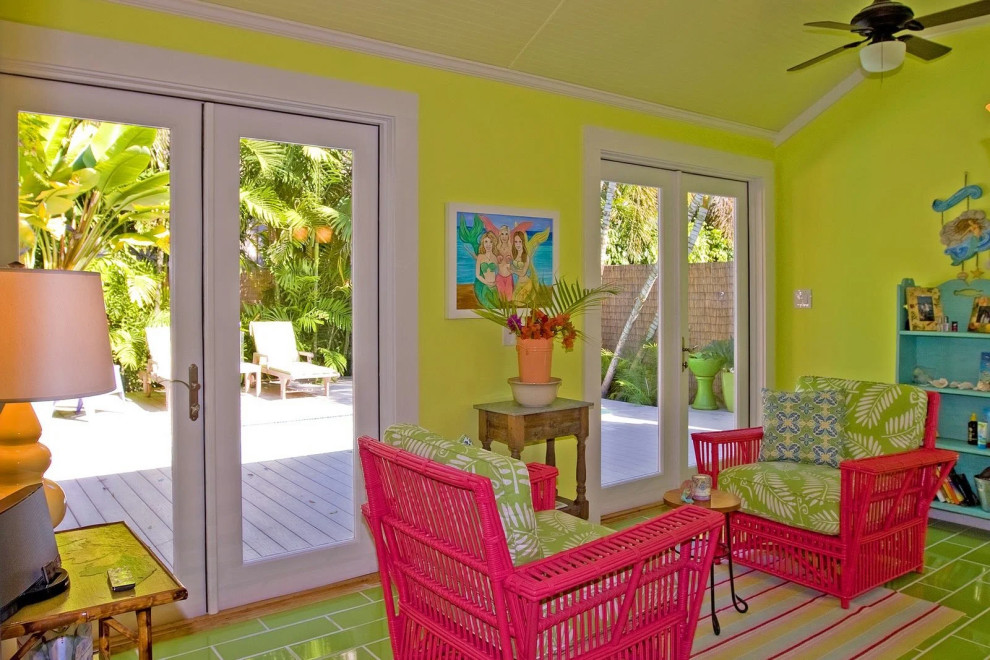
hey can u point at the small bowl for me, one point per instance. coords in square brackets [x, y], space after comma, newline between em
[534, 395]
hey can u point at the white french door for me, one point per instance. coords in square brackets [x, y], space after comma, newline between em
[119, 457]
[675, 245]
[260, 495]
[285, 479]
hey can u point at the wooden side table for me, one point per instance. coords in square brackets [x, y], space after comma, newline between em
[726, 503]
[86, 554]
[516, 426]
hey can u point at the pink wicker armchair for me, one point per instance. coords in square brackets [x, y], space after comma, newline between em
[442, 551]
[883, 515]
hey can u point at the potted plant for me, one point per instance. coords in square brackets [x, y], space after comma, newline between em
[725, 348]
[705, 364]
[545, 314]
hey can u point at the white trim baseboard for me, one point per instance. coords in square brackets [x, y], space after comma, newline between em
[336, 39]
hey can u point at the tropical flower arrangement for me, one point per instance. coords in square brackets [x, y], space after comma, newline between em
[547, 310]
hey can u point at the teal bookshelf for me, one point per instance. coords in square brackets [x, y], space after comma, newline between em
[954, 356]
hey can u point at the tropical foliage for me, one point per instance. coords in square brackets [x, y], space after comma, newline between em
[630, 235]
[296, 229]
[546, 311]
[94, 196]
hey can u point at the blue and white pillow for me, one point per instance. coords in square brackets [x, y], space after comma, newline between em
[803, 427]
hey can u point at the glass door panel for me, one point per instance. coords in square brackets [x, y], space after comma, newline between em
[297, 418]
[635, 203]
[292, 287]
[108, 182]
[717, 318]
[675, 247]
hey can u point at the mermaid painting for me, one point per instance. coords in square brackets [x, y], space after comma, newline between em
[497, 258]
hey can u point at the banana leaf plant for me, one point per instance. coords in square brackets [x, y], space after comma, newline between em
[88, 189]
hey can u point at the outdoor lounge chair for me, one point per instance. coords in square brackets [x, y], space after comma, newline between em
[277, 355]
[159, 368]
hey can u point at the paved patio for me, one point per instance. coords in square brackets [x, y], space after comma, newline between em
[114, 461]
[630, 438]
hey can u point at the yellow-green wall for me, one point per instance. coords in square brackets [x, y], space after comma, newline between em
[854, 215]
[479, 141]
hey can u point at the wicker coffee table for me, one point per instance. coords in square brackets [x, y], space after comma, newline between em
[725, 503]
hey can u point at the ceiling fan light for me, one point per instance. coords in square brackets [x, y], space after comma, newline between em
[882, 56]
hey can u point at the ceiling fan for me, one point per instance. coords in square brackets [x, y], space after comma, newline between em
[879, 24]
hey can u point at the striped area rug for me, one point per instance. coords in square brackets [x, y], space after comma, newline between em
[788, 621]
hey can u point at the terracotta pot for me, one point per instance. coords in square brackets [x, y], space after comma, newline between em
[534, 359]
[300, 234]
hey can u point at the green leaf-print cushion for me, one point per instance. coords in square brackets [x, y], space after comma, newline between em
[882, 418]
[561, 531]
[796, 494]
[510, 481]
[803, 427]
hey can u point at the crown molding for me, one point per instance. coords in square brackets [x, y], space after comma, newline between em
[326, 37]
[818, 107]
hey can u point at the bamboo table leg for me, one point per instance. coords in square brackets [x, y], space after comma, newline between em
[28, 646]
[144, 634]
[103, 640]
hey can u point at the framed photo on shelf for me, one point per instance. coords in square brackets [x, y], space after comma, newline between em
[924, 307]
[979, 319]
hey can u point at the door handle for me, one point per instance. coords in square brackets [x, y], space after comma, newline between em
[685, 351]
[194, 387]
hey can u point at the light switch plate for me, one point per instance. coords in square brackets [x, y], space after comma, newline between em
[508, 337]
[802, 298]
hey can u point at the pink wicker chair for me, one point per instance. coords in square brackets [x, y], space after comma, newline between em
[442, 553]
[883, 515]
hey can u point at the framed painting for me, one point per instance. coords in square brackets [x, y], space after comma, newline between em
[979, 320]
[924, 307]
[495, 254]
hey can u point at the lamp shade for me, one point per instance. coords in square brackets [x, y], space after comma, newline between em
[54, 340]
[882, 56]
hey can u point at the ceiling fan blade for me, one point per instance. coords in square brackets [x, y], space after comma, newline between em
[972, 10]
[926, 50]
[816, 60]
[833, 25]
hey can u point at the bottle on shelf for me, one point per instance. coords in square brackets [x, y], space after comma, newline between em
[972, 430]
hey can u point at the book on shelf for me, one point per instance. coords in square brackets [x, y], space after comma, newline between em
[957, 490]
[968, 491]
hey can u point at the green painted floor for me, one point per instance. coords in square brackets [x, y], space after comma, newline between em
[353, 627]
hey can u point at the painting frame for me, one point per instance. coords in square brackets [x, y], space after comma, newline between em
[924, 307]
[979, 317]
[458, 251]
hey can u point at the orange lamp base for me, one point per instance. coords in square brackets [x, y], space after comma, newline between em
[23, 460]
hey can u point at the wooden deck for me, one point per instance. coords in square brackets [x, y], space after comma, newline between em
[288, 505]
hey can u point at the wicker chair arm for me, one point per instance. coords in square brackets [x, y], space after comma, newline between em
[717, 450]
[543, 482]
[883, 492]
[599, 562]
